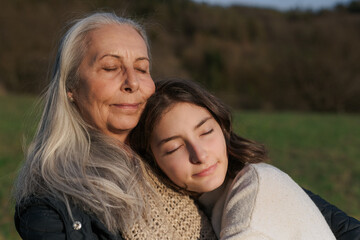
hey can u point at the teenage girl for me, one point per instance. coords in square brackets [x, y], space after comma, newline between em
[187, 138]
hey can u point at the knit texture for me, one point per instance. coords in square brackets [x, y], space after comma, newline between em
[172, 216]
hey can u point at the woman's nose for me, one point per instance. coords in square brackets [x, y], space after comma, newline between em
[198, 154]
[130, 83]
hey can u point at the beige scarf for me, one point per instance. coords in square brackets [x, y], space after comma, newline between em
[173, 216]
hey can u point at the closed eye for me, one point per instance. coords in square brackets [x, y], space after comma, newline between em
[141, 70]
[173, 150]
[208, 132]
[110, 69]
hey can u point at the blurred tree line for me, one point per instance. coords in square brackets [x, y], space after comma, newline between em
[252, 58]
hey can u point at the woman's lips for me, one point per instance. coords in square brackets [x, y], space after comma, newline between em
[207, 171]
[127, 106]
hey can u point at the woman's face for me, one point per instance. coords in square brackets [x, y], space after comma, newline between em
[114, 80]
[189, 146]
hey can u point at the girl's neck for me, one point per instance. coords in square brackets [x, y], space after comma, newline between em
[209, 199]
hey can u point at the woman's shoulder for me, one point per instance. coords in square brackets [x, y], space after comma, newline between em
[40, 202]
[46, 217]
[39, 218]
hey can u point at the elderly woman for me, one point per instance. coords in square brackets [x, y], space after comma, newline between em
[79, 179]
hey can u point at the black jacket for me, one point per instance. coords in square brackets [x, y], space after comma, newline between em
[47, 218]
[343, 226]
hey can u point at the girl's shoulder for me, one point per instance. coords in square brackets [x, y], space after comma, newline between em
[260, 174]
[269, 185]
[262, 168]
[263, 200]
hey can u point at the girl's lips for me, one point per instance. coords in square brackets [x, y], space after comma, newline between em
[206, 171]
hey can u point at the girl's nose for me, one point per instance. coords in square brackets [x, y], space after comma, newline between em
[198, 154]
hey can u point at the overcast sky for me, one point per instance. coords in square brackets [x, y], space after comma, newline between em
[280, 4]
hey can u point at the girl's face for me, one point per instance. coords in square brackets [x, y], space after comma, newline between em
[189, 146]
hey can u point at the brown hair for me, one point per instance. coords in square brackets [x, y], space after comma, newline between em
[172, 91]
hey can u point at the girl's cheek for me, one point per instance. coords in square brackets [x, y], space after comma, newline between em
[174, 165]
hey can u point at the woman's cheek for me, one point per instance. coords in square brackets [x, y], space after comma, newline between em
[148, 87]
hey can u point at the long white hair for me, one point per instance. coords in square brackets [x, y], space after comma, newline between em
[69, 159]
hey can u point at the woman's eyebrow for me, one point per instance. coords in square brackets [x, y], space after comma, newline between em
[110, 55]
[120, 57]
[142, 58]
[94, 58]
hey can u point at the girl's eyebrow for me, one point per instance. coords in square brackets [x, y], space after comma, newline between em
[165, 140]
[202, 122]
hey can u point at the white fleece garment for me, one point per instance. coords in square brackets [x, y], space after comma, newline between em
[264, 203]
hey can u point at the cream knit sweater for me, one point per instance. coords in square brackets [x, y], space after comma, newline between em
[173, 216]
[263, 202]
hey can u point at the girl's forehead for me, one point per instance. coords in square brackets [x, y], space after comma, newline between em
[182, 119]
[182, 114]
[183, 107]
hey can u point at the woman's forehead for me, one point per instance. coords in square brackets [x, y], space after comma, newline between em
[117, 39]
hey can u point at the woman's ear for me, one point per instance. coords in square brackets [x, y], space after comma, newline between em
[70, 96]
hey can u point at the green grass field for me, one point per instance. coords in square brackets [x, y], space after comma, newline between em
[320, 151]
[13, 112]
